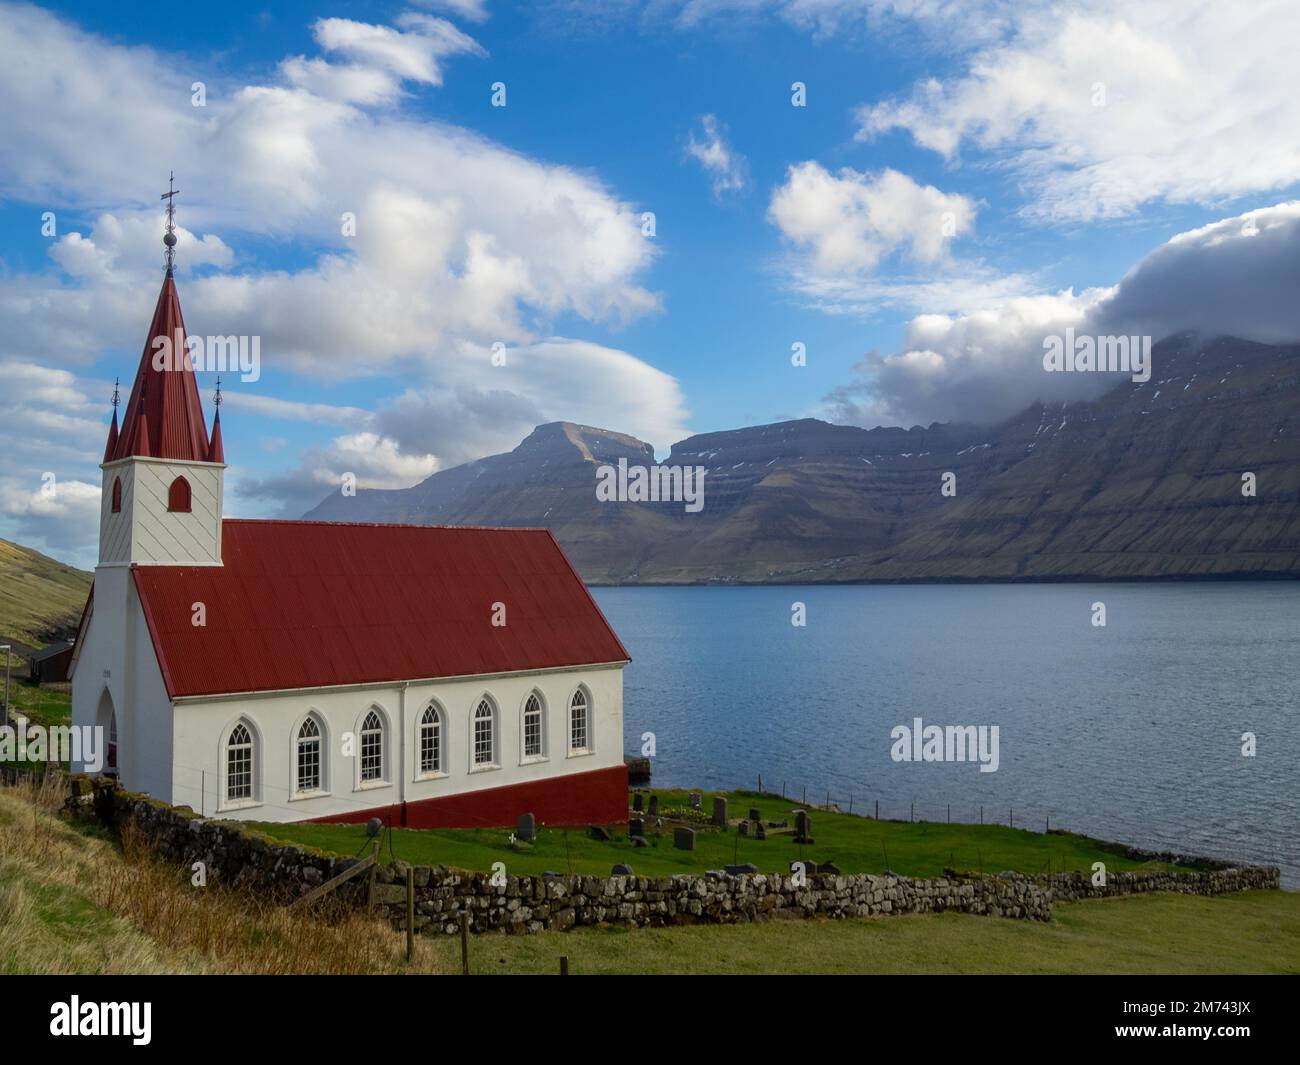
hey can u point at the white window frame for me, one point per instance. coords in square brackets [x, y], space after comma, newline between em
[476, 766]
[541, 756]
[589, 704]
[254, 797]
[440, 720]
[295, 742]
[385, 751]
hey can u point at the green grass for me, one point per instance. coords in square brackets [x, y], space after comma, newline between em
[38, 595]
[854, 844]
[48, 705]
[1250, 932]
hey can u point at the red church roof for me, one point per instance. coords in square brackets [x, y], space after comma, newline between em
[163, 416]
[304, 604]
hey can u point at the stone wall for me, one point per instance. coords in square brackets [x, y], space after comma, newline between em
[235, 856]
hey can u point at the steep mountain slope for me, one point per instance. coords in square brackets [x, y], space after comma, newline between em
[1144, 482]
[40, 599]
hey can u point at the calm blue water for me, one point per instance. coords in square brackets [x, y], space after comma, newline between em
[1130, 732]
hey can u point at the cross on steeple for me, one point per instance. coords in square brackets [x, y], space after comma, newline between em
[117, 395]
[169, 238]
[216, 398]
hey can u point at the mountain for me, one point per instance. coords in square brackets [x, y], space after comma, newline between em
[1145, 482]
[40, 599]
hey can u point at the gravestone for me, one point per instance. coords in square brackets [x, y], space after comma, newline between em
[640, 841]
[802, 827]
[829, 867]
[754, 814]
[720, 811]
[696, 800]
[743, 828]
[737, 870]
[809, 867]
[759, 831]
[684, 839]
[598, 832]
[654, 806]
[638, 801]
[621, 869]
[635, 827]
[526, 828]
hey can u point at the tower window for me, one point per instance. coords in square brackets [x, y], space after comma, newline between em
[178, 496]
[117, 495]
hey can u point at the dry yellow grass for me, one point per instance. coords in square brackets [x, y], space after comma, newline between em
[73, 902]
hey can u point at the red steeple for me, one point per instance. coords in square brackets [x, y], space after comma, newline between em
[112, 436]
[163, 417]
[165, 396]
[216, 453]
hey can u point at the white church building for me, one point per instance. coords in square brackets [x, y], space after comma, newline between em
[297, 670]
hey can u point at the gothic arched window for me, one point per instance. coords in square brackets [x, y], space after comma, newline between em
[484, 733]
[431, 741]
[178, 496]
[372, 747]
[533, 727]
[239, 764]
[579, 724]
[117, 495]
[309, 751]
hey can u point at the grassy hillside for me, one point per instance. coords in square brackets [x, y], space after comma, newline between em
[74, 901]
[40, 598]
[854, 844]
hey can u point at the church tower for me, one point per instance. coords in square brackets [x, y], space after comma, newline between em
[162, 475]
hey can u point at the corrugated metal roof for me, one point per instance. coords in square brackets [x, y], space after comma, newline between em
[303, 604]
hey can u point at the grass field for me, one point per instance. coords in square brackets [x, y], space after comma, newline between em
[73, 900]
[38, 595]
[854, 844]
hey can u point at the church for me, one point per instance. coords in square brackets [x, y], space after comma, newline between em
[316, 671]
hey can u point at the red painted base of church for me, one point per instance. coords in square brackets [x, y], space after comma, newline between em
[598, 797]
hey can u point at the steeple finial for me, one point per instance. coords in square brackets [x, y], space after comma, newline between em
[216, 396]
[169, 238]
[117, 395]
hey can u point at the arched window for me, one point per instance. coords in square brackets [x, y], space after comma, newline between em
[309, 769]
[533, 730]
[117, 495]
[483, 733]
[372, 747]
[431, 741]
[178, 496]
[239, 764]
[579, 724]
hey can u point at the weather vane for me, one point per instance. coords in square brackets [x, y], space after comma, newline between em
[117, 393]
[216, 397]
[170, 237]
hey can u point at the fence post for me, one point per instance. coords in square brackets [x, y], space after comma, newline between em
[981, 815]
[912, 815]
[1011, 817]
[804, 800]
[950, 813]
[374, 872]
[850, 802]
[564, 965]
[877, 809]
[464, 943]
[410, 913]
[760, 783]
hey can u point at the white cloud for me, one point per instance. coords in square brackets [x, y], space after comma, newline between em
[728, 171]
[1237, 277]
[1198, 105]
[469, 10]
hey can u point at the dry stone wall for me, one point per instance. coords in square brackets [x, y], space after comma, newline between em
[234, 856]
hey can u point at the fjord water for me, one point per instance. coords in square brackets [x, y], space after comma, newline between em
[1131, 732]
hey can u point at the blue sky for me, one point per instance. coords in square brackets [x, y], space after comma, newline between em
[520, 224]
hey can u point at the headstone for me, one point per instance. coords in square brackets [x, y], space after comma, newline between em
[684, 839]
[743, 828]
[638, 801]
[696, 800]
[635, 827]
[621, 869]
[829, 867]
[526, 828]
[737, 870]
[598, 832]
[720, 811]
[654, 806]
[754, 814]
[802, 827]
[759, 831]
[640, 841]
[809, 867]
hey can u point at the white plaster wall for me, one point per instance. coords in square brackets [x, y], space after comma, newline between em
[145, 531]
[117, 654]
[202, 726]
